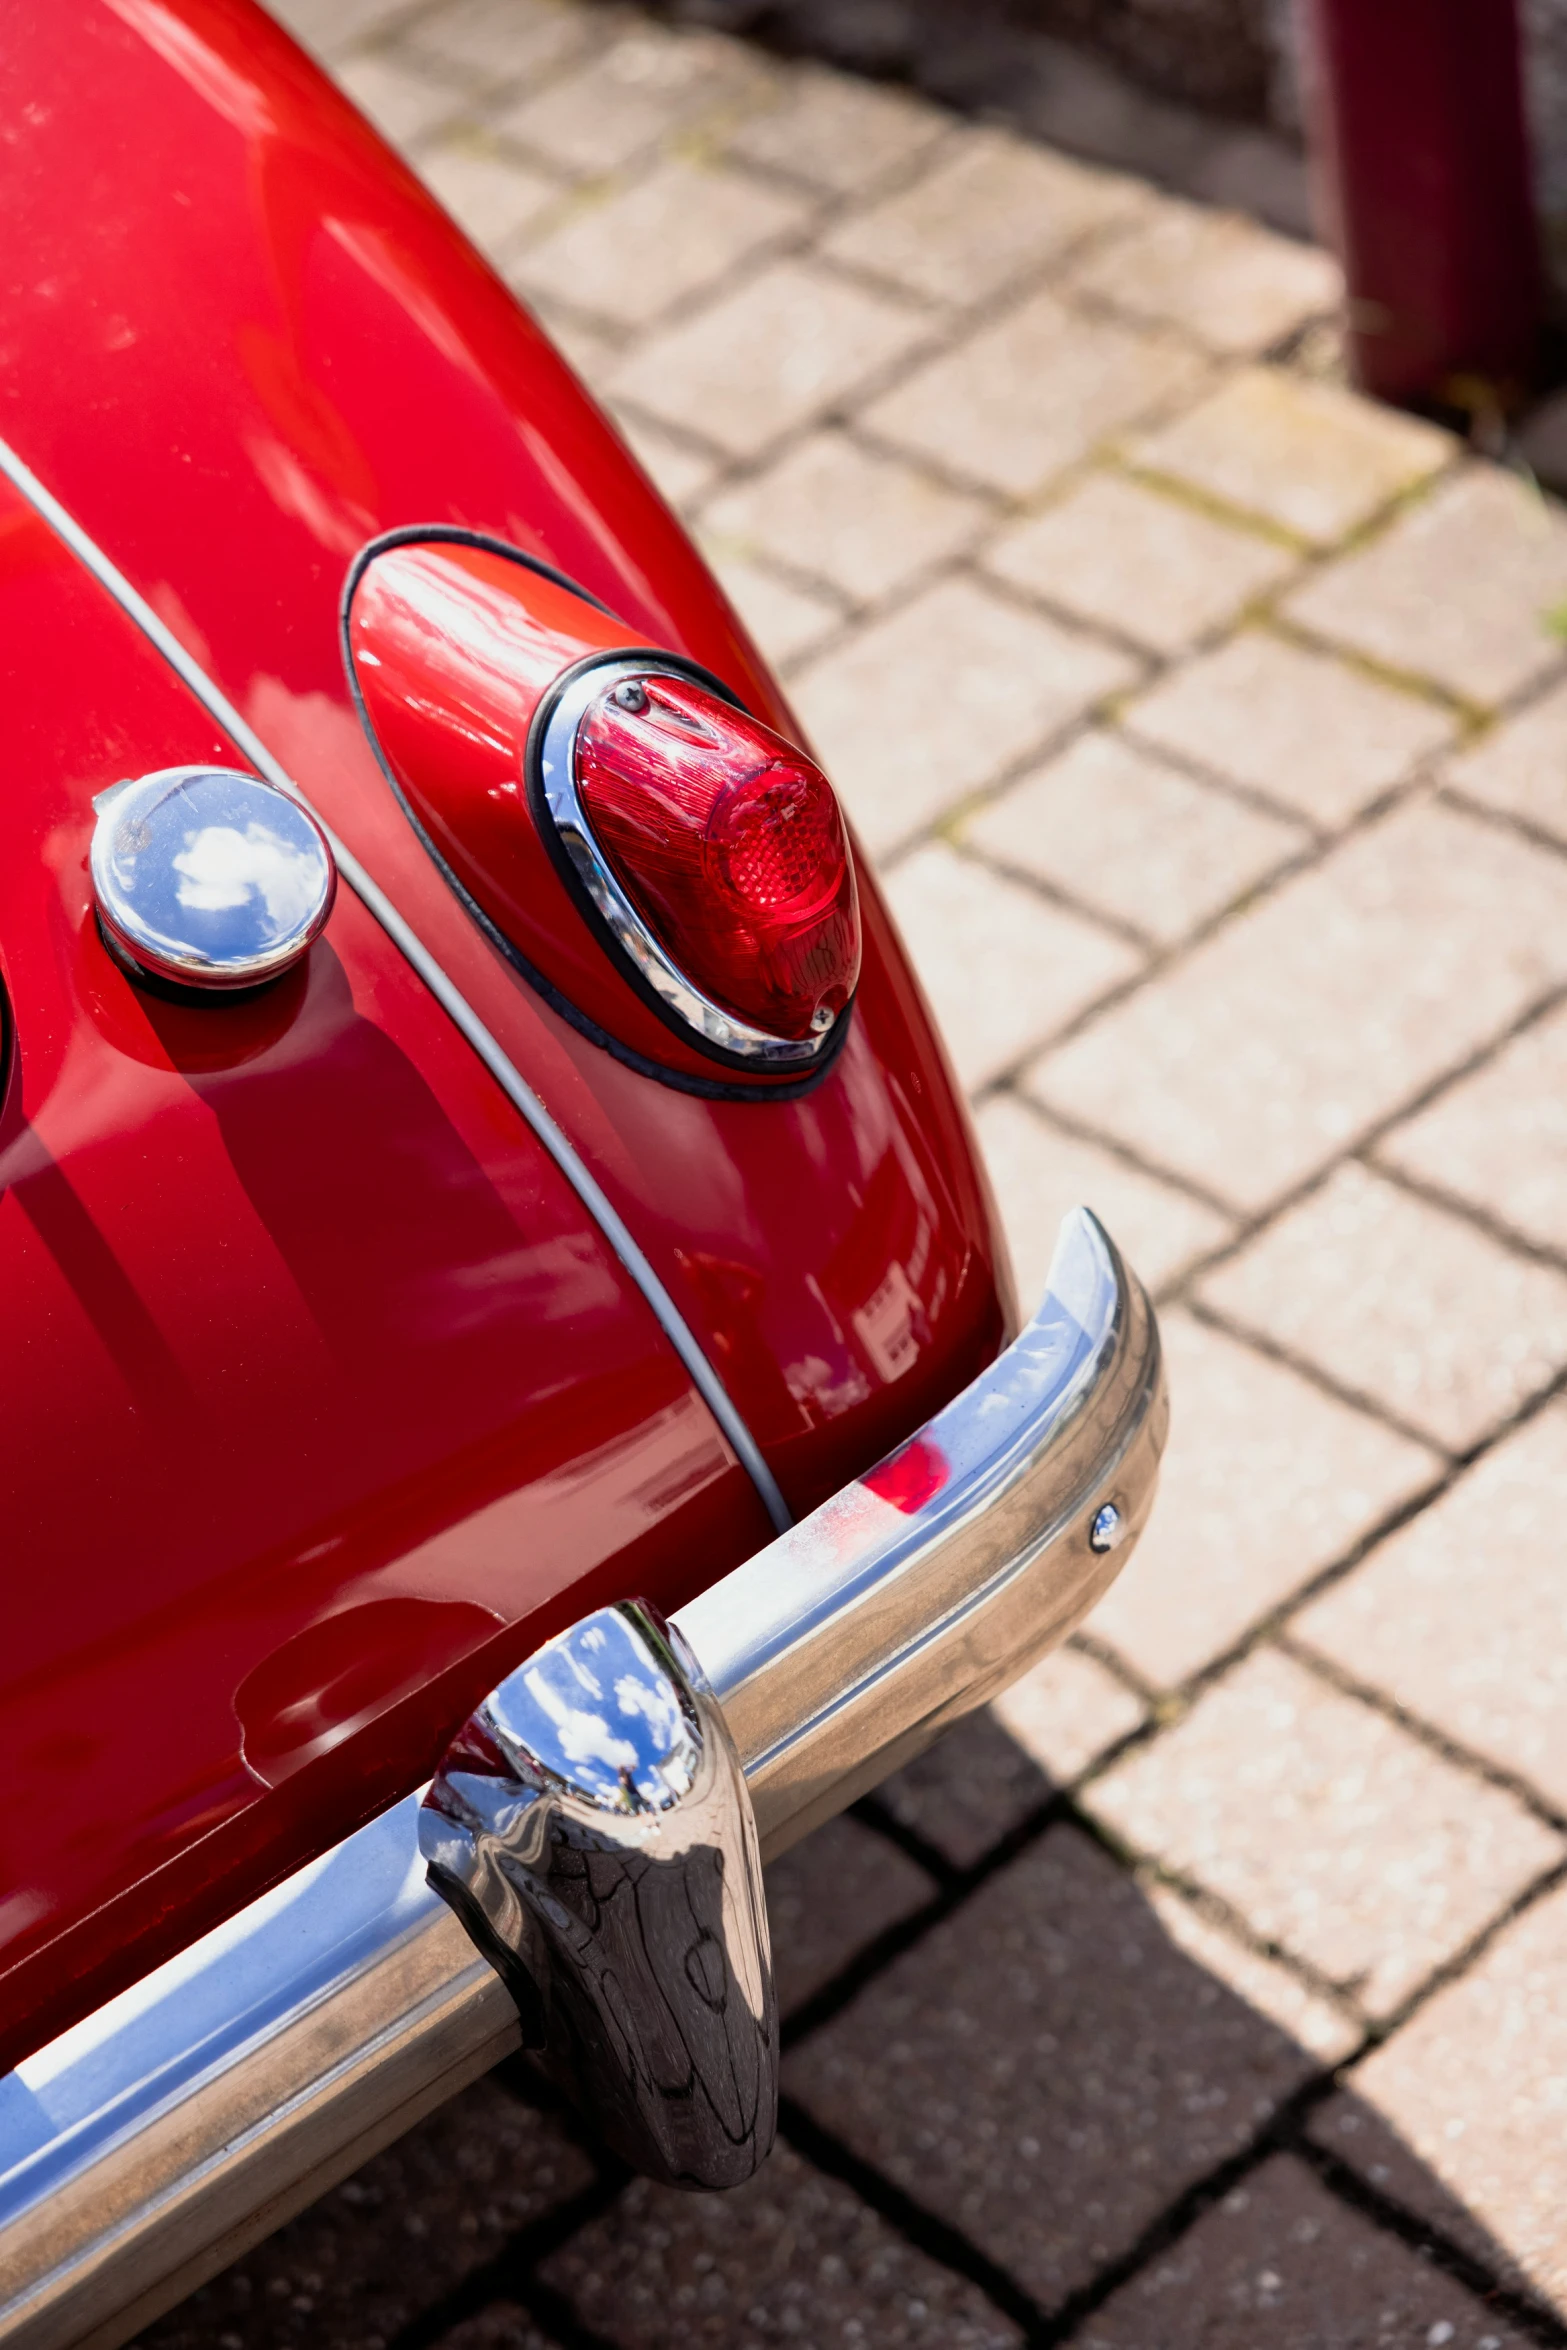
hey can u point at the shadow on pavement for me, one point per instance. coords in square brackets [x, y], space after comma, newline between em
[1015, 2110]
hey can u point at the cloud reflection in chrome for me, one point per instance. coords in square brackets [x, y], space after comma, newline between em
[209, 877]
[222, 869]
[599, 1711]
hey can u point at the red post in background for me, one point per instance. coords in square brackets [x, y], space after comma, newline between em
[1422, 158]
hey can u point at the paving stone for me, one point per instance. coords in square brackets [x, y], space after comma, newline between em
[1467, 588]
[1255, 172]
[329, 28]
[783, 619]
[1402, 1302]
[489, 196]
[594, 354]
[1046, 2069]
[1265, 1482]
[677, 469]
[790, 2257]
[494, 41]
[1310, 731]
[991, 207]
[968, 1790]
[865, 523]
[1357, 2135]
[1280, 2260]
[404, 106]
[1039, 1173]
[1131, 838]
[1148, 566]
[1064, 1712]
[1224, 280]
[501, 2325]
[1520, 767]
[1323, 2028]
[830, 1896]
[1282, 1037]
[1031, 393]
[632, 254]
[1330, 1830]
[838, 133]
[1471, 2094]
[372, 2254]
[917, 710]
[1309, 456]
[634, 91]
[1542, 440]
[1001, 968]
[1499, 1138]
[1458, 1615]
[788, 344]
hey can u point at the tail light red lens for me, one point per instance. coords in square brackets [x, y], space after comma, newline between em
[674, 878]
[729, 846]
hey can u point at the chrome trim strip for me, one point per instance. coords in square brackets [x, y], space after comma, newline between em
[189, 2117]
[558, 781]
[457, 1007]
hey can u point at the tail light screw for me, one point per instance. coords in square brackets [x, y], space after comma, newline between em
[631, 696]
[822, 1019]
[1107, 1528]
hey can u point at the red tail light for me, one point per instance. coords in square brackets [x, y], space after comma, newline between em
[673, 877]
[715, 852]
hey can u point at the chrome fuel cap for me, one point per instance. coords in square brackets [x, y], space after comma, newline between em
[209, 879]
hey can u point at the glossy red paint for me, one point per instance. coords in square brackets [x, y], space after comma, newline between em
[320, 1398]
[238, 341]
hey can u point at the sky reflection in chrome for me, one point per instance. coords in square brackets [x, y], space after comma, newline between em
[210, 877]
[598, 1710]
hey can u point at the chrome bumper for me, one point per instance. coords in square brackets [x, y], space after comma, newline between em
[151, 2144]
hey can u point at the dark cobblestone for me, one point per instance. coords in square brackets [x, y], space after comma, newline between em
[829, 1897]
[1280, 2261]
[1046, 2070]
[379, 2250]
[964, 1795]
[792, 2257]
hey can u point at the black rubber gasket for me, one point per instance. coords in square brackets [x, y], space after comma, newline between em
[761, 1088]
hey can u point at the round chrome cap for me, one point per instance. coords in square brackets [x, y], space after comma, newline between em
[209, 879]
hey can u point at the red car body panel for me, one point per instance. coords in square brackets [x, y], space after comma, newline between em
[321, 1399]
[237, 339]
[316, 1382]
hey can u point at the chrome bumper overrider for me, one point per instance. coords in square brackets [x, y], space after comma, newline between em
[146, 2147]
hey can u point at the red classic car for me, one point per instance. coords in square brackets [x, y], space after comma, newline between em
[513, 1408]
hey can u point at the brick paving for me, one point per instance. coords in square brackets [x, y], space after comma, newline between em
[1210, 728]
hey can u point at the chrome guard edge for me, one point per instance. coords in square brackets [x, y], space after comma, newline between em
[850, 1642]
[147, 2147]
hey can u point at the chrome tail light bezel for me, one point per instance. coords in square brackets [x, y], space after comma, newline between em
[564, 826]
